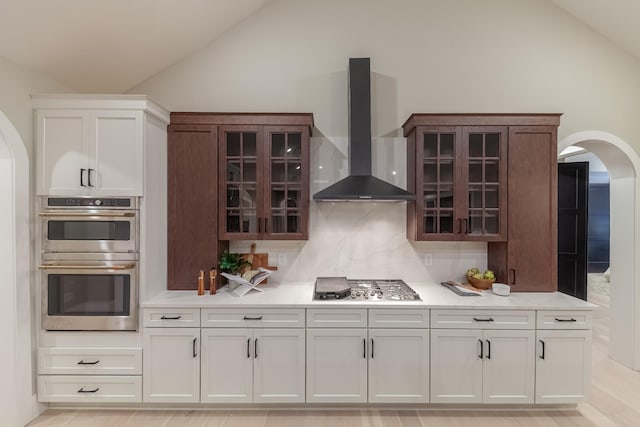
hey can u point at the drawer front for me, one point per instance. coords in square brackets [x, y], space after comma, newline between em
[253, 318]
[398, 318]
[171, 318]
[337, 318]
[89, 361]
[482, 319]
[85, 388]
[562, 319]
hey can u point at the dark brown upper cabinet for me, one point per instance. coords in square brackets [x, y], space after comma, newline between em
[192, 198]
[262, 173]
[233, 176]
[488, 177]
[459, 175]
[264, 178]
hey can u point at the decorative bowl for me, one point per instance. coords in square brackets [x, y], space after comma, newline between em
[480, 283]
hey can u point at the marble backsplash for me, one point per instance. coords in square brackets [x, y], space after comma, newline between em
[366, 240]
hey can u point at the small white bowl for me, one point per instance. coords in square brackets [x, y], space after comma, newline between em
[501, 289]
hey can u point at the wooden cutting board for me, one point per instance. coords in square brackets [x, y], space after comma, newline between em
[259, 259]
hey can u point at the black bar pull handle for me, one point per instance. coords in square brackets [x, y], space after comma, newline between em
[542, 355]
[255, 348]
[466, 225]
[480, 355]
[82, 390]
[372, 348]
[89, 184]
[248, 345]
[512, 275]
[490, 319]
[259, 225]
[459, 226]
[364, 348]
[82, 362]
[163, 317]
[252, 318]
[266, 225]
[195, 354]
[488, 349]
[566, 320]
[82, 177]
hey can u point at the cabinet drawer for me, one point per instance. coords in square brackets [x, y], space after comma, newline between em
[89, 361]
[398, 318]
[337, 317]
[482, 319]
[253, 318]
[171, 318]
[561, 319]
[85, 388]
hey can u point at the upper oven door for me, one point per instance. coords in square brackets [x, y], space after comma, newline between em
[89, 231]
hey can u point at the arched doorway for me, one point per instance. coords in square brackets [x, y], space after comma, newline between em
[17, 396]
[623, 164]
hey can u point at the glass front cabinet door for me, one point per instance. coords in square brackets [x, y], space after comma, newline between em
[460, 183]
[264, 173]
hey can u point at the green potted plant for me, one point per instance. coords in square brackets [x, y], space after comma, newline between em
[232, 263]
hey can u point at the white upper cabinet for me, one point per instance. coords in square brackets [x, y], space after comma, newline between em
[117, 152]
[62, 157]
[93, 146]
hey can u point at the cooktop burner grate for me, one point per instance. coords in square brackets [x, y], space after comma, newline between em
[332, 288]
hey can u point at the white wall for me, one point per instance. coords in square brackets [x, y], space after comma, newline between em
[623, 265]
[17, 398]
[16, 175]
[16, 86]
[427, 56]
[8, 360]
[430, 55]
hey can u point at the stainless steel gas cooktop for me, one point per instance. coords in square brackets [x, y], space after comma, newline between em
[332, 288]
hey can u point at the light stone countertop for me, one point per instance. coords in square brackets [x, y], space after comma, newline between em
[300, 294]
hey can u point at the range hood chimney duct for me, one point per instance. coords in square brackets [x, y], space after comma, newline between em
[360, 184]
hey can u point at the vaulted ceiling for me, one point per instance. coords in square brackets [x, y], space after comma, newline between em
[111, 45]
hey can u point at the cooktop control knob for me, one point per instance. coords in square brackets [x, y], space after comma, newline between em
[97, 202]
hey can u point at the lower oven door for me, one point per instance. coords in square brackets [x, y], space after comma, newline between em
[89, 295]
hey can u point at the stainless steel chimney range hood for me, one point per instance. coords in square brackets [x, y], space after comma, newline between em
[360, 184]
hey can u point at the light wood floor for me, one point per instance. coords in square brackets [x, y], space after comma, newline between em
[614, 401]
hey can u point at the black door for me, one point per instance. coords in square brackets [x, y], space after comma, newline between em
[573, 194]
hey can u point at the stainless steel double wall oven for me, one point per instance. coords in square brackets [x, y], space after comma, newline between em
[89, 263]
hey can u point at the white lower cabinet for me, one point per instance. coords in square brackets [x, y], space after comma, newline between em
[476, 366]
[171, 365]
[337, 365]
[456, 366]
[508, 371]
[563, 366]
[399, 366]
[90, 374]
[279, 366]
[89, 388]
[227, 365]
[337, 358]
[387, 364]
[244, 365]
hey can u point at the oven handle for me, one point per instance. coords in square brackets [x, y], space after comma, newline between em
[88, 215]
[87, 267]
